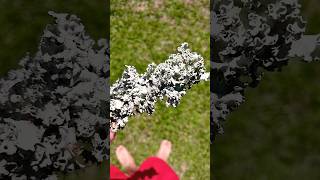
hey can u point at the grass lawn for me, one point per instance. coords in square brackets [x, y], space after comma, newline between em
[148, 31]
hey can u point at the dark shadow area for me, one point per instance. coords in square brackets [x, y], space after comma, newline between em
[148, 173]
[274, 135]
[22, 23]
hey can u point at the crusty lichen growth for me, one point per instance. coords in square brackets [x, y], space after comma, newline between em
[137, 93]
[54, 109]
[248, 37]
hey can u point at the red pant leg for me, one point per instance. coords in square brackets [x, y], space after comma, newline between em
[154, 168]
[117, 174]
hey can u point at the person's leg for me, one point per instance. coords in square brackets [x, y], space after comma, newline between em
[126, 160]
[164, 150]
[157, 167]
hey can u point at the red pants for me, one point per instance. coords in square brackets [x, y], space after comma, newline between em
[152, 168]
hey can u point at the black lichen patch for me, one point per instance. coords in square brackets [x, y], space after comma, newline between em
[247, 38]
[53, 110]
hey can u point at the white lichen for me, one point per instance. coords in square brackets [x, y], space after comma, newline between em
[137, 93]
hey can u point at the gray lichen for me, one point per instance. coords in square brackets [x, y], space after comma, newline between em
[137, 93]
[54, 110]
[247, 38]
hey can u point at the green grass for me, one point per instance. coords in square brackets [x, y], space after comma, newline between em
[275, 133]
[148, 31]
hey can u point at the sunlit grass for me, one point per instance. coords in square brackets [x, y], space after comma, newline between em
[148, 31]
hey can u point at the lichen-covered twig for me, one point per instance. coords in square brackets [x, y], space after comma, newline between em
[54, 109]
[248, 37]
[137, 93]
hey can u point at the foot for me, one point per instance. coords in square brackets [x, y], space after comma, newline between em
[164, 150]
[126, 160]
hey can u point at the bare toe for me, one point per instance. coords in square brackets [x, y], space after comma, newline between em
[164, 150]
[125, 159]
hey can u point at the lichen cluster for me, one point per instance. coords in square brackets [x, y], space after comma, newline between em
[54, 109]
[137, 93]
[247, 38]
